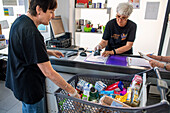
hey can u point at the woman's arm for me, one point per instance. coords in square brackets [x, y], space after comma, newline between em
[55, 77]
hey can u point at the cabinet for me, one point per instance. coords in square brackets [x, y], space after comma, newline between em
[96, 16]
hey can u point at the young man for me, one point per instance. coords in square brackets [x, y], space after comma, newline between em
[119, 33]
[28, 63]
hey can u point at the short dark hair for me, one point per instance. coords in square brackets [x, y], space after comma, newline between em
[44, 4]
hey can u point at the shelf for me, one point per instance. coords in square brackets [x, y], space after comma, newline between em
[89, 32]
[91, 8]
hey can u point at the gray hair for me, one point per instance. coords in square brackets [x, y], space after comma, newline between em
[124, 9]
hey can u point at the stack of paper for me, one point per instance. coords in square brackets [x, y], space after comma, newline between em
[96, 59]
[133, 61]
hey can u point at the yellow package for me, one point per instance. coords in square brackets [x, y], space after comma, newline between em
[129, 95]
[121, 98]
[135, 96]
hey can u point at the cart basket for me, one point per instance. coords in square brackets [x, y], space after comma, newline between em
[68, 104]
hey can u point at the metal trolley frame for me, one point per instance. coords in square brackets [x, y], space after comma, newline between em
[67, 104]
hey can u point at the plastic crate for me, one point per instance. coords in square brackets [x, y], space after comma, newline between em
[67, 104]
[61, 42]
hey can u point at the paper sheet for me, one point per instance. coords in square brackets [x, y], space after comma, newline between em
[96, 59]
[132, 61]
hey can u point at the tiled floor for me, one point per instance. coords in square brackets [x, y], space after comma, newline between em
[8, 103]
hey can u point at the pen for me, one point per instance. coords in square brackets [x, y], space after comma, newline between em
[151, 54]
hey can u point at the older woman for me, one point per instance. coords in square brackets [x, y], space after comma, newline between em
[119, 33]
[28, 62]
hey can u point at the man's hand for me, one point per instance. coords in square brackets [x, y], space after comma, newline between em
[55, 53]
[98, 47]
[107, 53]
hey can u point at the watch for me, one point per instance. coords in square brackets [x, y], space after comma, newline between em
[165, 66]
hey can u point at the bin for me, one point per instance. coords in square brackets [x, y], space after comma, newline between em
[67, 104]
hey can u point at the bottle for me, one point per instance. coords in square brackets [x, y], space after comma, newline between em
[86, 91]
[93, 95]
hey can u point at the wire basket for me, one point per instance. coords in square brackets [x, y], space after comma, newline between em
[67, 104]
[61, 42]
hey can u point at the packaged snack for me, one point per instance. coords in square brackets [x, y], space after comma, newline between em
[99, 85]
[111, 101]
[121, 92]
[80, 85]
[136, 82]
[118, 86]
[121, 98]
[129, 95]
[108, 93]
[135, 96]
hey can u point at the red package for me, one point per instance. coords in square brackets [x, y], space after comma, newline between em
[118, 86]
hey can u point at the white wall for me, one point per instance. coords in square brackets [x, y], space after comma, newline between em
[148, 31]
[63, 10]
[17, 10]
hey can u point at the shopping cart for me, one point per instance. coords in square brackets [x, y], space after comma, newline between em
[67, 104]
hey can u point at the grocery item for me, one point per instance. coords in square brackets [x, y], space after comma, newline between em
[121, 92]
[118, 86]
[80, 85]
[136, 82]
[86, 91]
[111, 101]
[108, 93]
[99, 85]
[129, 95]
[93, 95]
[135, 96]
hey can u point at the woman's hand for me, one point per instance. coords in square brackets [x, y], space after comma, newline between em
[155, 63]
[55, 53]
[107, 53]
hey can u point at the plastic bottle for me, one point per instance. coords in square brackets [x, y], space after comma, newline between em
[86, 92]
[93, 95]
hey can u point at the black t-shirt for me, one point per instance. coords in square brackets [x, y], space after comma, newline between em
[118, 36]
[26, 49]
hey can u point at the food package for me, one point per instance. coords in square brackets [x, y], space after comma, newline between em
[106, 100]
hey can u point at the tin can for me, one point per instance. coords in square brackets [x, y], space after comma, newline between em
[99, 5]
[81, 21]
[93, 5]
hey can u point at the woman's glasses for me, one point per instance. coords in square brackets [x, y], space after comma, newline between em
[121, 17]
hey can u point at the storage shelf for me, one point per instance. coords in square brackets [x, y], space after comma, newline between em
[91, 8]
[89, 32]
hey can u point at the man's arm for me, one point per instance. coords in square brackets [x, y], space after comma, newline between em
[50, 73]
[125, 48]
[103, 43]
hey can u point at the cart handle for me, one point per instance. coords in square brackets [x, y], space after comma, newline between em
[161, 86]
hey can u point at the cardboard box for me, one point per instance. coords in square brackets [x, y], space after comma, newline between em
[106, 100]
[57, 26]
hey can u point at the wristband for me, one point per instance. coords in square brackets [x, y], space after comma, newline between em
[74, 94]
[165, 66]
[114, 51]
